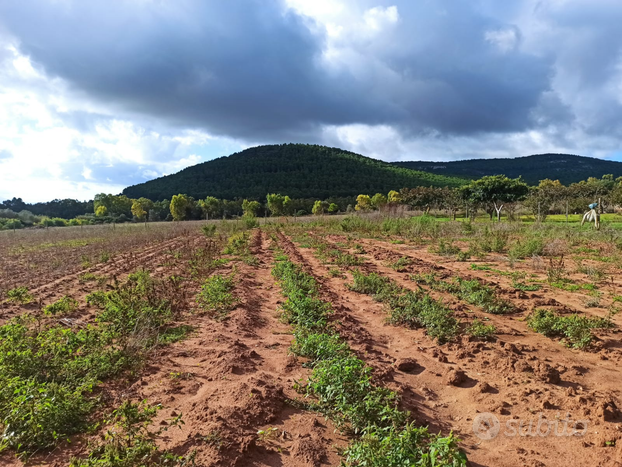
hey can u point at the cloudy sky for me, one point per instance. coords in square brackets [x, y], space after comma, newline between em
[97, 95]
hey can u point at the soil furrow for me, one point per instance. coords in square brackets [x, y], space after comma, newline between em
[451, 384]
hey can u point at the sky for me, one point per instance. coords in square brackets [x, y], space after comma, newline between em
[98, 95]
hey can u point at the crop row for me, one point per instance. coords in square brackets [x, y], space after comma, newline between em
[343, 386]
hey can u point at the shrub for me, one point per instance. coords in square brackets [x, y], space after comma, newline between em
[575, 330]
[215, 297]
[19, 295]
[238, 244]
[64, 305]
[209, 230]
[480, 330]
[526, 249]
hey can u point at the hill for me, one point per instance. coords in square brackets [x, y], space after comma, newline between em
[566, 168]
[296, 170]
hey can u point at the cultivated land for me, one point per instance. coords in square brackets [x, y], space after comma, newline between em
[311, 343]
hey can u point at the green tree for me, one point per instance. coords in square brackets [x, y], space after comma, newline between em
[495, 191]
[333, 208]
[319, 207]
[101, 211]
[363, 203]
[141, 208]
[378, 201]
[210, 206]
[394, 197]
[115, 205]
[544, 197]
[250, 208]
[288, 206]
[179, 206]
[276, 204]
[422, 197]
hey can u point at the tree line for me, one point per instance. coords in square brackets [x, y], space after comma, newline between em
[494, 195]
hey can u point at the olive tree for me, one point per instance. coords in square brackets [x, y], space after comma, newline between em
[494, 192]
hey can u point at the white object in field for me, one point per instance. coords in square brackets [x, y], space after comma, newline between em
[592, 216]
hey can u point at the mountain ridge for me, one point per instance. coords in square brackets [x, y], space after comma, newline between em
[296, 170]
[567, 168]
[314, 171]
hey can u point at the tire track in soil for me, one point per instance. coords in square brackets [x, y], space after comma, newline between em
[508, 379]
[236, 378]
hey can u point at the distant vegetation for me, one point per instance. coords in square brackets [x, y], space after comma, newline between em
[300, 170]
[321, 181]
[563, 167]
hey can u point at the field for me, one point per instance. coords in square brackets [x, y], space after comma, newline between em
[338, 339]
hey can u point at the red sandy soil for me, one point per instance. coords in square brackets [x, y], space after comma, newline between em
[228, 380]
[234, 377]
[521, 376]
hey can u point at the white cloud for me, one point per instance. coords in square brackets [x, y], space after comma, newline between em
[57, 143]
[377, 18]
[506, 40]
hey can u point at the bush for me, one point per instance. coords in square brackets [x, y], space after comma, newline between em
[215, 297]
[209, 230]
[480, 330]
[575, 330]
[62, 306]
[527, 249]
[19, 295]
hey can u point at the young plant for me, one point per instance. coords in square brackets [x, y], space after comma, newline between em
[575, 330]
[19, 295]
[215, 297]
[131, 442]
[479, 330]
[64, 305]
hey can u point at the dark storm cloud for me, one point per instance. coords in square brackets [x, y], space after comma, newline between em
[253, 69]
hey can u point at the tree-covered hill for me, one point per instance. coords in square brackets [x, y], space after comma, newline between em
[566, 168]
[296, 170]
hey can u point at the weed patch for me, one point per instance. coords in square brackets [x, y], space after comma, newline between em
[215, 297]
[19, 295]
[343, 386]
[575, 330]
[62, 306]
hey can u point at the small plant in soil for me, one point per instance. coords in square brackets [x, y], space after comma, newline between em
[575, 330]
[479, 330]
[215, 297]
[519, 285]
[131, 443]
[209, 230]
[334, 272]
[19, 295]
[64, 305]
[401, 264]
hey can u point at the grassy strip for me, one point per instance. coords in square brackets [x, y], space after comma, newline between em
[215, 297]
[409, 308]
[343, 386]
[471, 291]
[575, 330]
[48, 372]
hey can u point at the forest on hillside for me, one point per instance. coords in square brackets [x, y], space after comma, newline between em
[563, 167]
[300, 170]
